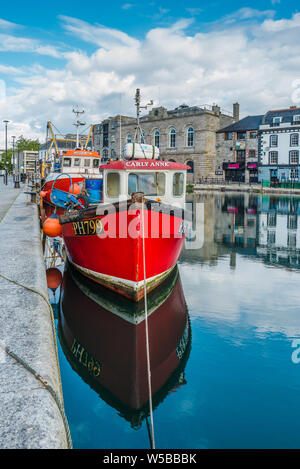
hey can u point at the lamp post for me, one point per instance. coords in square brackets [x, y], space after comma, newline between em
[5, 177]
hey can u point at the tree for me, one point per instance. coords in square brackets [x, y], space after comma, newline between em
[21, 144]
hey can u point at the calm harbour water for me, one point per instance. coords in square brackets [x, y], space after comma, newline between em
[231, 379]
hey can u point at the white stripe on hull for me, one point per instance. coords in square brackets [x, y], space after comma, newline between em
[127, 286]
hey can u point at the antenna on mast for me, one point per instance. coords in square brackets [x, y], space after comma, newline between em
[78, 123]
[138, 108]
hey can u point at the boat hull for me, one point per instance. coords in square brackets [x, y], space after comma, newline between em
[109, 248]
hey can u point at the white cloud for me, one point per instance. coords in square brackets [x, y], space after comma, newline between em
[246, 61]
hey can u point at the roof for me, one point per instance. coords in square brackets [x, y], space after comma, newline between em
[144, 164]
[248, 123]
[286, 114]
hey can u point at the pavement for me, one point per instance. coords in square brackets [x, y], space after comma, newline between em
[31, 410]
[7, 195]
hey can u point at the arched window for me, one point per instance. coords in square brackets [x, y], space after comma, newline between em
[156, 138]
[129, 138]
[172, 138]
[190, 163]
[143, 137]
[190, 137]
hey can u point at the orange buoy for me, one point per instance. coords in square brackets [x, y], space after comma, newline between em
[75, 189]
[54, 277]
[52, 227]
[43, 194]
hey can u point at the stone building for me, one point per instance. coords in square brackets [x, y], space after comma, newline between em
[237, 150]
[185, 134]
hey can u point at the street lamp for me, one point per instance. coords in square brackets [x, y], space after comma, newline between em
[5, 122]
[14, 159]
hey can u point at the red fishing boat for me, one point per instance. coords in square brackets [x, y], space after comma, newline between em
[130, 235]
[132, 240]
[103, 337]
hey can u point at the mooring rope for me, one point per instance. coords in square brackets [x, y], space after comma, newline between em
[22, 362]
[147, 332]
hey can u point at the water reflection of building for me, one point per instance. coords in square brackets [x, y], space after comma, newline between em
[265, 227]
[103, 338]
[279, 236]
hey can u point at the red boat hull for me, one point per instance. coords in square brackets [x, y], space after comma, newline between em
[113, 256]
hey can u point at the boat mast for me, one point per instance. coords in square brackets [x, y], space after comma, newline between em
[77, 124]
[138, 130]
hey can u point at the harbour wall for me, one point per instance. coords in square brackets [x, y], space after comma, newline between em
[31, 405]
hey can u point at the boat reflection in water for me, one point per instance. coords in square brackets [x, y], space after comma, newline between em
[103, 337]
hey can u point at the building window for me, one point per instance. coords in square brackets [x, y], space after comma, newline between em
[296, 118]
[105, 134]
[291, 240]
[271, 239]
[156, 138]
[241, 135]
[294, 174]
[143, 137]
[251, 154]
[271, 220]
[294, 140]
[172, 138]
[276, 120]
[190, 137]
[273, 140]
[129, 138]
[294, 157]
[228, 135]
[253, 134]
[273, 157]
[191, 165]
[292, 222]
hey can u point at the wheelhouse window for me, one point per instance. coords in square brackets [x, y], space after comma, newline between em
[113, 184]
[294, 157]
[95, 163]
[294, 140]
[67, 162]
[172, 138]
[178, 180]
[190, 137]
[156, 138]
[150, 183]
[77, 162]
[87, 163]
[273, 157]
[273, 140]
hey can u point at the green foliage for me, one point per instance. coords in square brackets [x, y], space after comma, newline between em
[22, 143]
[27, 144]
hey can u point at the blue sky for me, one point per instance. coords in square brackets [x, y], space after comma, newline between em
[54, 55]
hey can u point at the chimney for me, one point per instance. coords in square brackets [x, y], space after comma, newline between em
[236, 111]
[216, 109]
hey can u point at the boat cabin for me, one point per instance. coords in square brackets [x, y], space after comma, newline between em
[78, 161]
[163, 181]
